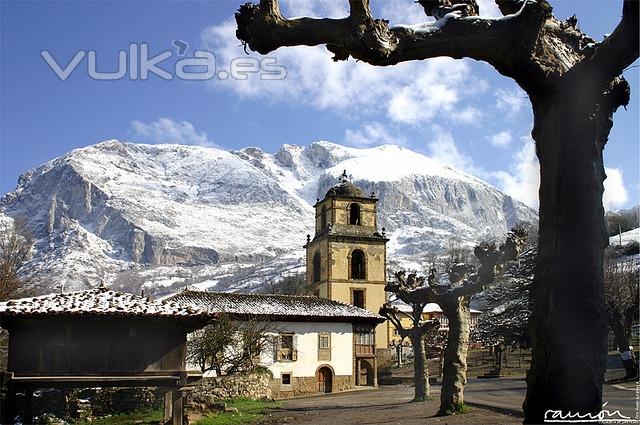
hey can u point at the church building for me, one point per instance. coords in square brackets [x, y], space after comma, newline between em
[346, 258]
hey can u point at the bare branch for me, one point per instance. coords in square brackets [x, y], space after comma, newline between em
[429, 325]
[391, 313]
[359, 10]
[505, 43]
[614, 54]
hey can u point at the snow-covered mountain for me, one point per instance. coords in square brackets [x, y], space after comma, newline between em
[161, 217]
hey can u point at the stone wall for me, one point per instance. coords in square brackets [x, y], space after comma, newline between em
[255, 385]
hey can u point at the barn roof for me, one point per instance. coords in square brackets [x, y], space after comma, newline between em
[98, 302]
[275, 307]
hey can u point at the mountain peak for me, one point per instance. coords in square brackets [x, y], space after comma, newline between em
[164, 216]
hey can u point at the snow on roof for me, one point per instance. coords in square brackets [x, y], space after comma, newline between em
[99, 301]
[280, 307]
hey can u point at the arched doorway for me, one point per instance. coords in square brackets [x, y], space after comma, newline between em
[325, 379]
[365, 373]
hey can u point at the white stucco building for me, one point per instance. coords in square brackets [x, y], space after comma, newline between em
[319, 345]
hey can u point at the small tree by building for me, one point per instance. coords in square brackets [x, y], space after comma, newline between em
[227, 346]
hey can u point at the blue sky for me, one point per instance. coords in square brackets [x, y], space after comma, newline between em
[460, 112]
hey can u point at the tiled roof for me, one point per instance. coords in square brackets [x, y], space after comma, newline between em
[277, 307]
[100, 302]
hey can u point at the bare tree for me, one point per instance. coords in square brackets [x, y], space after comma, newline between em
[16, 242]
[621, 286]
[574, 84]
[506, 318]
[228, 346]
[455, 253]
[416, 333]
[453, 298]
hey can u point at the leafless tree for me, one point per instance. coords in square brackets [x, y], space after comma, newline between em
[575, 85]
[621, 286]
[508, 305]
[16, 242]
[453, 298]
[228, 346]
[416, 333]
[455, 253]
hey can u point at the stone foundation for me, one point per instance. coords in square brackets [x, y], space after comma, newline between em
[255, 385]
[307, 386]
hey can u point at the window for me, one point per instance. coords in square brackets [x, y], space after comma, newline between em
[286, 379]
[357, 297]
[324, 341]
[364, 341]
[323, 218]
[364, 337]
[354, 214]
[324, 346]
[316, 267]
[286, 350]
[358, 265]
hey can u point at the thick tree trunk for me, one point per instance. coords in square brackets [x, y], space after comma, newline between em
[569, 324]
[454, 374]
[420, 371]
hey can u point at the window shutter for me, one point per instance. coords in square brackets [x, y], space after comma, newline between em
[277, 343]
[294, 351]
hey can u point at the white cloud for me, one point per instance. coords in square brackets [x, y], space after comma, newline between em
[522, 180]
[311, 8]
[501, 139]
[405, 12]
[432, 93]
[372, 134]
[510, 101]
[402, 12]
[443, 149]
[167, 130]
[468, 115]
[413, 92]
[615, 195]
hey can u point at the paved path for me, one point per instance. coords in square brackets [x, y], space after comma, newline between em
[391, 405]
[384, 406]
[508, 393]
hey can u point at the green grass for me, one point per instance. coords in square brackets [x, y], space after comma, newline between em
[457, 409]
[249, 412]
[140, 417]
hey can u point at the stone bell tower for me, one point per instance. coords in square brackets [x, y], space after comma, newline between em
[346, 258]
